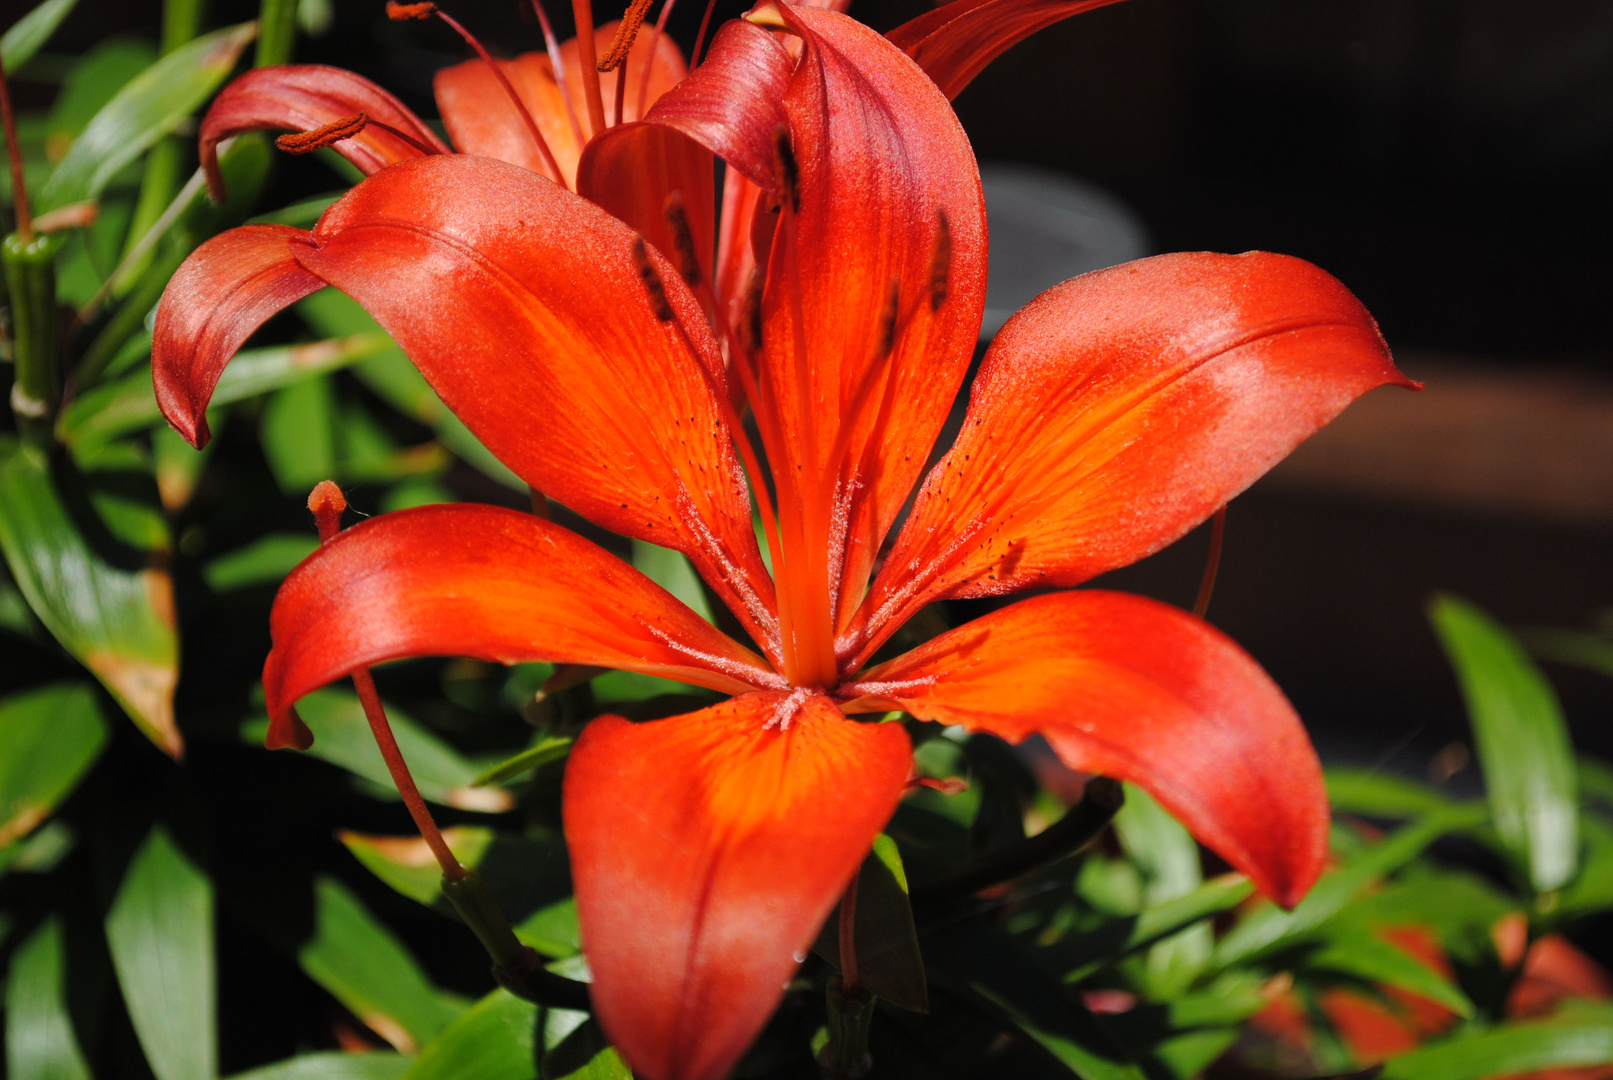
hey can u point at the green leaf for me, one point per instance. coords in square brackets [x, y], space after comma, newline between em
[1075, 1039]
[117, 620]
[1592, 890]
[1084, 954]
[551, 748]
[888, 958]
[298, 431]
[127, 405]
[342, 737]
[365, 967]
[95, 79]
[1380, 794]
[494, 1040]
[583, 1053]
[152, 105]
[40, 1044]
[265, 560]
[1168, 857]
[673, 572]
[1270, 927]
[1371, 959]
[333, 1065]
[25, 38]
[406, 863]
[1577, 1037]
[1522, 742]
[160, 932]
[552, 930]
[1596, 779]
[1587, 651]
[49, 738]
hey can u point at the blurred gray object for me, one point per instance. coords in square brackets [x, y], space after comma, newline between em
[1047, 227]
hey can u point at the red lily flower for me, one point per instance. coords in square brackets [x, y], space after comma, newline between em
[1110, 417]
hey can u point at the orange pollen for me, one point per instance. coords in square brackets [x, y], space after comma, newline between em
[652, 280]
[683, 237]
[306, 142]
[632, 19]
[326, 502]
[784, 164]
[940, 261]
[399, 12]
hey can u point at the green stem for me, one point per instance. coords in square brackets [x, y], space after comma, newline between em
[181, 21]
[850, 1013]
[30, 271]
[277, 29]
[516, 967]
[127, 320]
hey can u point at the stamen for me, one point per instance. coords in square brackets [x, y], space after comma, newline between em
[1212, 563]
[887, 319]
[784, 712]
[652, 280]
[552, 46]
[655, 47]
[784, 165]
[700, 38]
[306, 142]
[19, 190]
[582, 12]
[621, 95]
[626, 34]
[940, 261]
[683, 237]
[399, 11]
[327, 502]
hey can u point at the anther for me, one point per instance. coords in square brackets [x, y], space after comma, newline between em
[652, 280]
[682, 237]
[789, 173]
[887, 318]
[399, 12]
[940, 261]
[632, 19]
[750, 315]
[326, 502]
[306, 142]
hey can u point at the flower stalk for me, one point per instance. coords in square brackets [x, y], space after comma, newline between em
[850, 1013]
[30, 273]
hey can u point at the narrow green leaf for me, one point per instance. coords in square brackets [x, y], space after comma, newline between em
[49, 738]
[1596, 779]
[887, 945]
[1271, 927]
[1168, 857]
[406, 863]
[95, 78]
[298, 432]
[26, 36]
[117, 620]
[1521, 738]
[552, 748]
[1589, 651]
[673, 572]
[552, 930]
[365, 967]
[582, 1054]
[494, 1040]
[300, 215]
[127, 405]
[1592, 889]
[1079, 1042]
[1577, 1037]
[160, 932]
[153, 104]
[1370, 958]
[265, 560]
[40, 1044]
[333, 1065]
[1380, 794]
[1084, 954]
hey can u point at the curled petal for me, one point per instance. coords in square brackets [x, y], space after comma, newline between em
[227, 288]
[954, 42]
[1131, 688]
[707, 850]
[1115, 413]
[486, 583]
[481, 119]
[887, 186]
[303, 97]
[526, 307]
[633, 169]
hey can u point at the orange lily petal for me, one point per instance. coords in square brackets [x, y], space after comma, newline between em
[881, 158]
[227, 288]
[481, 119]
[707, 850]
[302, 97]
[487, 583]
[1131, 688]
[1116, 412]
[956, 41]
